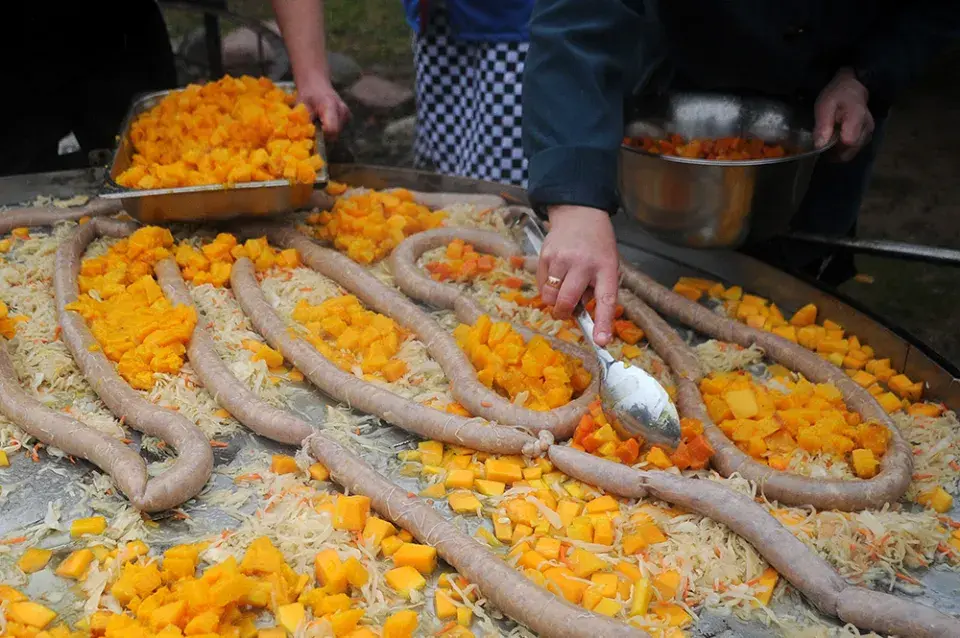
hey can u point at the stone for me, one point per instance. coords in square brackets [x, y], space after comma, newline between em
[399, 134]
[344, 70]
[240, 47]
[378, 94]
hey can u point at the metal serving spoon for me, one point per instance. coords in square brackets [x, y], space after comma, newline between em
[632, 396]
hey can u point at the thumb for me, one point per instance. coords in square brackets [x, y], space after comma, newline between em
[825, 116]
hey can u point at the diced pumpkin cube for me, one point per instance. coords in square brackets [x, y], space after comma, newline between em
[672, 614]
[376, 530]
[562, 581]
[489, 488]
[291, 616]
[584, 563]
[743, 403]
[889, 402]
[34, 559]
[549, 547]
[421, 557]
[330, 571]
[805, 316]
[667, 584]
[30, 614]
[864, 463]
[318, 472]
[605, 503]
[938, 499]
[766, 585]
[431, 452]
[444, 604]
[390, 545]
[503, 471]
[642, 595]
[658, 458]
[464, 502]
[405, 580]
[581, 529]
[401, 624]
[459, 479]
[283, 464]
[94, 525]
[75, 565]
[351, 512]
[607, 607]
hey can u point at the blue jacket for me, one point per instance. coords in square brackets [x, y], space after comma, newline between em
[478, 20]
[587, 56]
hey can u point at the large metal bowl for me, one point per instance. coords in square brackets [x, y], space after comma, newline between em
[712, 203]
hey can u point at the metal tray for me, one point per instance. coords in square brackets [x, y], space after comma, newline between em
[29, 489]
[202, 203]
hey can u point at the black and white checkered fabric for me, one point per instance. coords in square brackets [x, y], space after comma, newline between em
[468, 105]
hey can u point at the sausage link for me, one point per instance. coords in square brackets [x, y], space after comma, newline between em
[346, 388]
[194, 464]
[49, 215]
[518, 597]
[465, 386]
[896, 466]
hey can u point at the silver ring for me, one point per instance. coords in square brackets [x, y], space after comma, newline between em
[554, 282]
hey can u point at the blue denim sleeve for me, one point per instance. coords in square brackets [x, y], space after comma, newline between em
[573, 96]
[906, 41]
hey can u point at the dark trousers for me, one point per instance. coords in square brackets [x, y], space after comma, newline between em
[75, 67]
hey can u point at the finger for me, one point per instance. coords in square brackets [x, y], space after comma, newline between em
[605, 292]
[548, 293]
[345, 114]
[330, 117]
[571, 291]
[825, 116]
[851, 126]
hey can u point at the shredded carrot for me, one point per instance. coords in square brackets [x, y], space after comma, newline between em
[219, 444]
[450, 625]
[907, 578]
[13, 541]
[247, 477]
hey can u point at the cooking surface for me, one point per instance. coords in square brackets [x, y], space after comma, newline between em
[30, 489]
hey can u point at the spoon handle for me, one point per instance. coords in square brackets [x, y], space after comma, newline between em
[586, 326]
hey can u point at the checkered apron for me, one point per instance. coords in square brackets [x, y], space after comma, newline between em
[468, 104]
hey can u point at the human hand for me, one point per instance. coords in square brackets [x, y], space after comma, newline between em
[581, 252]
[323, 101]
[843, 101]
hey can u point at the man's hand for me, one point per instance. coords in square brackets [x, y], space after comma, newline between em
[323, 101]
[580, 252]
[844, 101]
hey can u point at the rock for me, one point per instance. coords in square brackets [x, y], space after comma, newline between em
[375, 93]
[239, 54]
[240, 48]
[344, 70]
[399, 134]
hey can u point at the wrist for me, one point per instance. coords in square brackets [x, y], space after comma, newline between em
[312, 75]
[563, 214]
[858, 77]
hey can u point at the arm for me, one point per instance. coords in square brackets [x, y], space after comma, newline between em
[301, 23]
[904, 44]
[573, 95]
